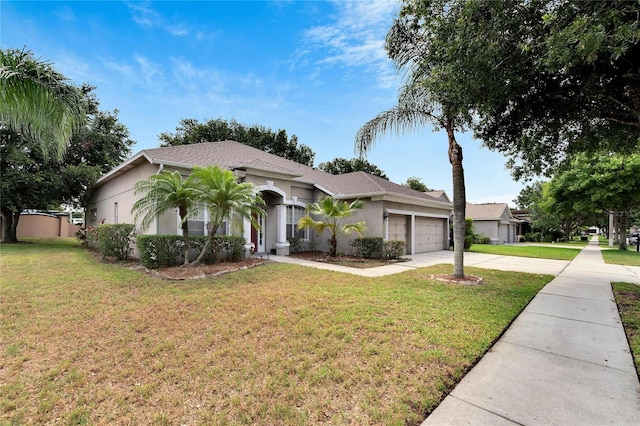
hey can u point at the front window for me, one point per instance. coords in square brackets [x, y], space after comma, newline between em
[294, 214]
[199, 224]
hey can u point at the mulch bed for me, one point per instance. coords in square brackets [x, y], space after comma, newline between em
[344, 260]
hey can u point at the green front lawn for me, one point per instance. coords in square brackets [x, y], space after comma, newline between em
[628, 299]
[618, 257]
[85, 342]
[544, 252]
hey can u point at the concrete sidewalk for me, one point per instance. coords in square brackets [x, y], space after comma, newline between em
[564, 361]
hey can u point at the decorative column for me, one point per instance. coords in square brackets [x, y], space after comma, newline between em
[246, 233]
[282, 245]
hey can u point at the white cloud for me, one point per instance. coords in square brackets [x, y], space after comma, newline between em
[144, 15]
[355, 38]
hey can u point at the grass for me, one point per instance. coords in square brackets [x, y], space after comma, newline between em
[617, 257]
[86, 342]
[628, 299]
[544, 252]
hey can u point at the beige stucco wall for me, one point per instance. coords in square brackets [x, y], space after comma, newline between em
[119, 190]
[488, 228]
[42, 225]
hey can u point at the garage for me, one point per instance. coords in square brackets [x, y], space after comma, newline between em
[420, 233]
[430, 234]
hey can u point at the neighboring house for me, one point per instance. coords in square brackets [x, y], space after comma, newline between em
[439, 194]
[494, 221]
[391, 211]
[524, 216]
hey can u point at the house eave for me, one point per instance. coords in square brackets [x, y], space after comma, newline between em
[400, 198]
[276, 173]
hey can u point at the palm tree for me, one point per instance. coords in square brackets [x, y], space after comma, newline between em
[38, 103]
[335, 211]
[164, 191]
[219, 190]
[423, 101]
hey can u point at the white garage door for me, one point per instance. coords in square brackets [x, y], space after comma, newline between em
[430, 234]
[398, 227]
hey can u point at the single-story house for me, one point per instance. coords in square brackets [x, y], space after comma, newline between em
[495, 221]
[391, 211]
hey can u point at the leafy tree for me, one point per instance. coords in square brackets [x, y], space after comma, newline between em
[598, 184]
[339, 166]
[219, 190]
[191, 131]
[334, 212]
[38, 103]
[30, 181]
[416, 183]
[165, 191]
[559, 77]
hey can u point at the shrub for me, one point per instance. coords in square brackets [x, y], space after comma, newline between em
[481, 239]
[393, 249]
[468, 241]
[233, 248]
[295, 245]
[157, 251]
[115, 240]
[533, 237]
[368, 247]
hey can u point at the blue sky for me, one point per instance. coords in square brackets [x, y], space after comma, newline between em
[316, 69]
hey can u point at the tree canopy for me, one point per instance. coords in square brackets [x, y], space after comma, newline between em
[38, 103]
[191, 131]
[31, 181]
[596, 184]
[416, 183]
[339, 166]
[559, 77]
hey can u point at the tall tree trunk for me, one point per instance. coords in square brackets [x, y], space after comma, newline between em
[334, 246]
[624, 222]
[10, 226]
[459, 201]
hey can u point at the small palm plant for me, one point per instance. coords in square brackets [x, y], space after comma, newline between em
[164, 191]
[219, 190]
[334, 212]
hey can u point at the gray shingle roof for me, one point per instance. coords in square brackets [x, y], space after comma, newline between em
[492, 211]
[232, 154]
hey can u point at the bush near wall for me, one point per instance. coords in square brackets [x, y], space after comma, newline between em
[158, 251]
[393, 249]
[368, 247]
[115, 240]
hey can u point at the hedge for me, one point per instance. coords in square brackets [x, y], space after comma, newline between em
[368, 247]
[157, 251]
